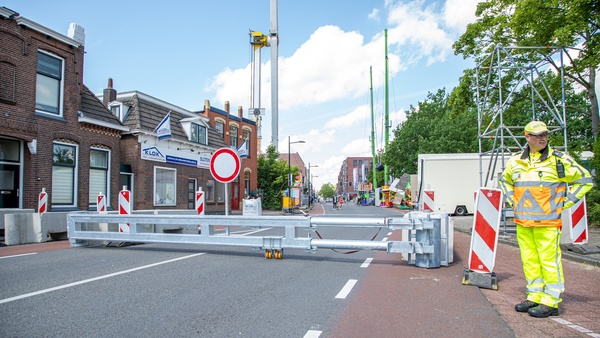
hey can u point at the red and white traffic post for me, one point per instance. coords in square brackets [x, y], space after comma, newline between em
[429, 200]
[101, 203]
[575, 222]
[124, 208]
[43, 202]
[484, 239]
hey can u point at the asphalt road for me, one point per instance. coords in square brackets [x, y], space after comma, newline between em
[158, 290]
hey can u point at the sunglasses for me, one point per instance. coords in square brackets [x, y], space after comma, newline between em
[544, 135]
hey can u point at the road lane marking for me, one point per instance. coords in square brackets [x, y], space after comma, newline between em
[346, 289]
[60, 287]
[366, 262]
[27, 254]
[576, 327]
[389, 234]
[384, 239]
[313, 334]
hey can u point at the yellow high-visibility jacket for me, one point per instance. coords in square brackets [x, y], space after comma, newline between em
[535, 185]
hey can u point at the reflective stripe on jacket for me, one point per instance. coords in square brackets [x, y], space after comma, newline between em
[532, 185]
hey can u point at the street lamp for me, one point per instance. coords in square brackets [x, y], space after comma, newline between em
[290, 167]
[310, 182]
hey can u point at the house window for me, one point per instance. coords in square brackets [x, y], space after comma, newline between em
[99, 160]
[246, 136]
[64, 165]
[116, 110]
[220, 128]
[165, 186]
[210, 191]
[247, 182]
[48, 84]
[233, 136]
[198, 134]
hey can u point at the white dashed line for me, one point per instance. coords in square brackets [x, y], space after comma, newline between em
[346, 289]
[366, 263]
[27, 254]
[313, 334]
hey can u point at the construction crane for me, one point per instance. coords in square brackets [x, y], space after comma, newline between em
[257, 40]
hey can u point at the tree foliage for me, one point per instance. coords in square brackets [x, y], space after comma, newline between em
[531, 23]
[435, 126]
[272, 178]
[327, 190]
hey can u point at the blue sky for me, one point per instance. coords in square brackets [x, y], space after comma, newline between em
[185, 52]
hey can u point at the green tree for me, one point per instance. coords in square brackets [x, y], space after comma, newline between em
[272, 178]
[529, 23]
[435, 126]
[327, 190]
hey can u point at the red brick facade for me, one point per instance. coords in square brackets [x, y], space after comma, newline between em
[34, 132]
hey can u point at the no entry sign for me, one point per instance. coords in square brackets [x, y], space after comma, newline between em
[225, 165]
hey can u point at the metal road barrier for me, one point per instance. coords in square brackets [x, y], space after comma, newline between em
[427, 245]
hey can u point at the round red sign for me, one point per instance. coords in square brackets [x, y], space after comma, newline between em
[225, 165]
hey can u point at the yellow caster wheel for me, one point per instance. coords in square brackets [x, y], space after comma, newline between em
[278, 254]
[268, 254]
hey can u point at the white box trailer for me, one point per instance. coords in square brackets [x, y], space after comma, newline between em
[454, 179]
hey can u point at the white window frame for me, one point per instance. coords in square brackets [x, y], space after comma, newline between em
[210, 190]
[92, 194]
[169, 196]
[60, 86]
[197, 127]
[75, 176]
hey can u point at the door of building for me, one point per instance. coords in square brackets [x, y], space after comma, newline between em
[235, 196]
[9, 186]
[191, 193]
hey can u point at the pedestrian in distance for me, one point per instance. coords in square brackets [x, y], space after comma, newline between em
[539, 183]
[335, 201]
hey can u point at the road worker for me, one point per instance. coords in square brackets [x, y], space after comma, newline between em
[534, 183]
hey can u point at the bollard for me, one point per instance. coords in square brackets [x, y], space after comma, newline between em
[101, 203]
[429, 201]
[43, 202]
[124, 208]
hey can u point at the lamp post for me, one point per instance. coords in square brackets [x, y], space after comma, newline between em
[290, 166]
[310, 182]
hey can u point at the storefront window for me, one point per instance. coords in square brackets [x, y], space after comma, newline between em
[165, 186]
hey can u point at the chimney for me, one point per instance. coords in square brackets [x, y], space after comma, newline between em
[77, 33]
[240, 112]
[206, 107]
[227, 106]
[109, 95]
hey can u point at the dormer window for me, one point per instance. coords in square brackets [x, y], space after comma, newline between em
[198, 134]
[118, 110]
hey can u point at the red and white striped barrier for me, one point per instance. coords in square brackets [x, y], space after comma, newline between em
[577, 222]
[200, 201]
[429, 200]
[484, 237]
[101, 203]
[43, 201]
[124, 207]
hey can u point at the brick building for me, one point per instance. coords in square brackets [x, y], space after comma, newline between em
[354, 176]
[237, 132]
[54, 133]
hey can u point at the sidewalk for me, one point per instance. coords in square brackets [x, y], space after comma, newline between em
[588, 253]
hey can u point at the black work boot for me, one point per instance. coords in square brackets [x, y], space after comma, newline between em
[543, 311]
[526, 305]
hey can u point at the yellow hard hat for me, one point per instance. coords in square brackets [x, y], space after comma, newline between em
[535, 128]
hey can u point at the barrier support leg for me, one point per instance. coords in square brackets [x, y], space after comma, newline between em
[482, 280]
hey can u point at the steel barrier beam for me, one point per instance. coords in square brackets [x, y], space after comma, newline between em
[425, 232]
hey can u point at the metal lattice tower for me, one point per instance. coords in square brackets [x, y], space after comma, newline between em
[494, 98]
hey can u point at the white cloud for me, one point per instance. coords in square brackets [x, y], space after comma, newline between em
[374, 15]
[458, 13]
[332, 68]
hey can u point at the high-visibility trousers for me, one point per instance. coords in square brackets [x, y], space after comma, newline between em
[541, 257]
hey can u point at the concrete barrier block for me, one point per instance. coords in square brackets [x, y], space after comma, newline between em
[18, 229]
